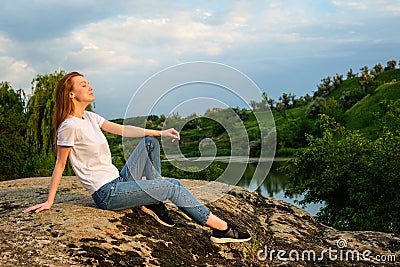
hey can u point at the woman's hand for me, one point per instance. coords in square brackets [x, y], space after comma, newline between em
[174, 134]
[39, 207]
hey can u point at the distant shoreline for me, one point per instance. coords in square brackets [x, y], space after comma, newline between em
[226, 159]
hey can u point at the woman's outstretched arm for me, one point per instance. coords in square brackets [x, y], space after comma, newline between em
[134, 131]
[62, 156]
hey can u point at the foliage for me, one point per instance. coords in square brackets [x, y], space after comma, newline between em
[40, 110]
[176, 170]
[13, 147]
[357, 178]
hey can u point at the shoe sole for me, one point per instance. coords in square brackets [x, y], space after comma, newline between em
[152, 214]
[228, 240]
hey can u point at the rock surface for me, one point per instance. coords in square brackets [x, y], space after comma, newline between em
[76, 233]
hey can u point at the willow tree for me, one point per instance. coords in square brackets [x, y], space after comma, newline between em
[40, 110]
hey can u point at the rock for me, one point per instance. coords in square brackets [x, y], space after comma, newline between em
[76, 233]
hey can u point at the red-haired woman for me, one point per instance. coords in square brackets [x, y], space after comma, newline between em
[80, 139]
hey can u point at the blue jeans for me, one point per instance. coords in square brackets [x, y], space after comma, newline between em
[130, 191]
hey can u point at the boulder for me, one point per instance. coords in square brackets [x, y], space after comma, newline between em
[76, 233]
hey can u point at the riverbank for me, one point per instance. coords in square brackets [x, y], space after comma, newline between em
[226, 159]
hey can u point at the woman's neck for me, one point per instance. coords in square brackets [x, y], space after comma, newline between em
[78, 110]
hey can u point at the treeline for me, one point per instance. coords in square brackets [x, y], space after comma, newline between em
[27, 141]
[336, 97]
[27, 135]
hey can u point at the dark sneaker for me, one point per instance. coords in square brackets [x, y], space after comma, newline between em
[159, 212]
[229, 235]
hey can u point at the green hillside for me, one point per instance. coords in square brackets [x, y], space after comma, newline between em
[363, 113]
[353, 103]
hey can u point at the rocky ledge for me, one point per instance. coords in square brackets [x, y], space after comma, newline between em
[76, 233]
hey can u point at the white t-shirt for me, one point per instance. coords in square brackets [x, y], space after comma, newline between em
[90, 155]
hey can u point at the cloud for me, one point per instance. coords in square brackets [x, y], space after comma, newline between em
[17, 71]
[120, 45]
[41, 19]
[383, 6]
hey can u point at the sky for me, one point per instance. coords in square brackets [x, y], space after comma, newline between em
[282, 46]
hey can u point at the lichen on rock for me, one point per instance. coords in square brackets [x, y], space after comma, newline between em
[76, 233]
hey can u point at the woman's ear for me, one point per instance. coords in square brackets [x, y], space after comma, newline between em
[71, 95]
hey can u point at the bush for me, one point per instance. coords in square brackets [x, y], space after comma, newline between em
[357, 178]
[210, 173]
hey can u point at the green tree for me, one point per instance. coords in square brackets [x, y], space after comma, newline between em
[337, 80]
[324, 88]
[356, 178]
[350, 74]
[13, 143]
[315, 108]
[378, 68]
[391, 65]
[40, 110]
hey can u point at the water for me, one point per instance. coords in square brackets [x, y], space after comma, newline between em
[274, 186]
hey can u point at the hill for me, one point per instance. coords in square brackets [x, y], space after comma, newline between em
[355, 102]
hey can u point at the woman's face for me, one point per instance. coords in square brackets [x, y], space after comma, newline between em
[81, 90]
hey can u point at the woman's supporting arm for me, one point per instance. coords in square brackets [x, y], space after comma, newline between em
[62, 156]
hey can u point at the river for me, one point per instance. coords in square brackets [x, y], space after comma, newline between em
[273, 185]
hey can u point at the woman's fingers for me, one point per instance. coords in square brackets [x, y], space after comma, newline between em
[37, 208]
[31, 208]
[174, 134]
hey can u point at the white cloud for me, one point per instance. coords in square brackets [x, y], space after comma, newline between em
[351, 4]
[16, 71]
[134, 41]
[131, 40]
[385, 6]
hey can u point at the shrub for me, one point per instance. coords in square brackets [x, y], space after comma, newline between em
[357, 178]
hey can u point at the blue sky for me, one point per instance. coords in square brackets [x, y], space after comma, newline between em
[283, 46]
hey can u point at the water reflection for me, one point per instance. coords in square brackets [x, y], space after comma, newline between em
[274, 184]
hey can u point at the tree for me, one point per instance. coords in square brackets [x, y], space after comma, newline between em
[315, 108]
[271, 103]
[337, 80]
[13, 143]
[253, 104]
[40, 110]
[324, 88]
[264, 101]
[281, 109]
[350, 74]
[391, 65]
[356, 178]
[285, 98]
[364, 70]
[378, 68]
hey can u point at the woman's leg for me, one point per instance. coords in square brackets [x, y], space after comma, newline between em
[145, 159]
[132, 194]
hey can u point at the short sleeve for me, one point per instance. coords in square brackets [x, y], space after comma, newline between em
[66, 134]
[95, 117]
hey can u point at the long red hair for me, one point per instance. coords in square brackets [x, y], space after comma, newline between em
[64, 106]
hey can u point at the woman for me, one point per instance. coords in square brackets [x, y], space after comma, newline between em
[80, 138]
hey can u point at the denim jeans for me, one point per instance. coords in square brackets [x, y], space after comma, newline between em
[130, 191]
